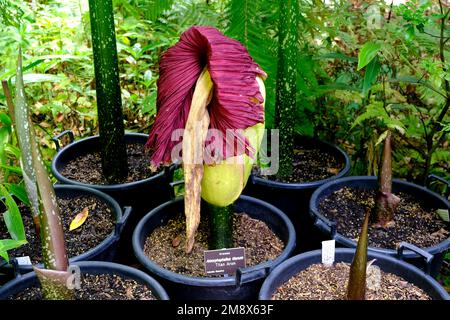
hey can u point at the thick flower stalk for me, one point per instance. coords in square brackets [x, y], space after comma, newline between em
[210, 87]
[107, 86]
[385, 202]
[43, 200]
[286, 92]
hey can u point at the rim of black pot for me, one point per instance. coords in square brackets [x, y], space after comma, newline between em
[261, 268]
[285, 265]
[103, 187]
[307, 185]
[315, 213]
[107, 241]
[131, 272]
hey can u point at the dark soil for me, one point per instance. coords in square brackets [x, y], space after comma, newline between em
[88, 167]
[260, 244]
[310, 164]
[414, 222]
[99, 287]
[98, 225]
[319, 282]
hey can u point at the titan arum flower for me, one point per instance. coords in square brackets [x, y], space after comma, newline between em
[208, 86]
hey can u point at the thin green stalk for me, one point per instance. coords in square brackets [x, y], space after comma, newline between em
[286, 83]
[109, 102]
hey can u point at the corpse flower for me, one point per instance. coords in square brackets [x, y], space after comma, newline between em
[209, 85]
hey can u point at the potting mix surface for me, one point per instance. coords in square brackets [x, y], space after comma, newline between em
[166, 245]
[99, 287]
[319, 282]
[99, 224]
[414, 223]
[310, 164]
[87, 168]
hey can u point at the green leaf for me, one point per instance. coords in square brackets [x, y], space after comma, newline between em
[9, 244]
[12, 150]
[5, 119]
[382, 137]
[19, 192]
[367, 53]
[39, 77]
[12, 217]
[372, 71]
[17, 170]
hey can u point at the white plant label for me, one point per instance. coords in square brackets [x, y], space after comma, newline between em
[328, 252]
[23, 261]
[373, 278]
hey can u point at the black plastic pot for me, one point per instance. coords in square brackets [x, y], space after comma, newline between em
[107, 249]
[296, 264]
[142, 195]
[92, 267]
[293, 198]
[246, 283]
[428, 197]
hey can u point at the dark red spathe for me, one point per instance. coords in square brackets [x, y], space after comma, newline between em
[236, 103]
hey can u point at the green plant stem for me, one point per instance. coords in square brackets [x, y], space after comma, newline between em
[356, 289]
[109, 103]
[221, 226]
[286, 83]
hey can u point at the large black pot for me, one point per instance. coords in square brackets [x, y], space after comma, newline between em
[293, 198]
[296, 264]
[142, 195]
[245, 284]
[107, 249]
[428, 197]
[92, 267]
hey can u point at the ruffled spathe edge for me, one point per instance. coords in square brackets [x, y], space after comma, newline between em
[237, 102]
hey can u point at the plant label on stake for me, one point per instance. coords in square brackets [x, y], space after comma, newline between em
[328, 250]
[224, 261]
[24, 261]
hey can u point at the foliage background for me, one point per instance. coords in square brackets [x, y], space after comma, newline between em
[335, 101]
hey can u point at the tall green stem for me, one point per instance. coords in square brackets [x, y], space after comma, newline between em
[109, 103]
[286, 83]
[221, 226]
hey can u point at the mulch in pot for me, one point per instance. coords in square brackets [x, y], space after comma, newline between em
[319, 282]
[99, 287]
[97, 227]
[87, 168]
[166, 244]
[309, 164]
[414, 222]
